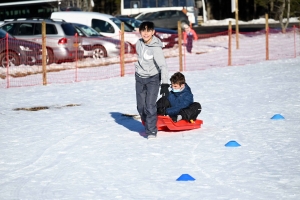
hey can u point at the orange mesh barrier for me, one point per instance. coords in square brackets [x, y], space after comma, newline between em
[85, 63]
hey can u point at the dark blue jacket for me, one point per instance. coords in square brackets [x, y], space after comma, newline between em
[179, 100]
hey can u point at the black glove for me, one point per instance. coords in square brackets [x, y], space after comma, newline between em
[161, 111]
[164, 89]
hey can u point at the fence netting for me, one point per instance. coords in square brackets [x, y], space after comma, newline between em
[88, 63]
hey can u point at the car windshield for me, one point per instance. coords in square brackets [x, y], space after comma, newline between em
[3, 34]
[134, 22]
[144, 16]
[156, 15]
[88, 30]
[118, 23]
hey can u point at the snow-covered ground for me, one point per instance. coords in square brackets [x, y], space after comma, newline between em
[90, 151]
[81, 147]
[213, 22]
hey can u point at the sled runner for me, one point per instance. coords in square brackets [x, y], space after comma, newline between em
[165, 123]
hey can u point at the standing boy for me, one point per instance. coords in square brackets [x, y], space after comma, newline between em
[150, 69]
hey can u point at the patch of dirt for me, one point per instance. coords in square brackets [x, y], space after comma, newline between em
[32, 108]
[45, 107]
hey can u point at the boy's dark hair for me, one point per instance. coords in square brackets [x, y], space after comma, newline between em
[146, 26]
[177, 78]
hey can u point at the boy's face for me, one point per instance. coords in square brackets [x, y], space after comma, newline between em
[176, 86]
[147, 35]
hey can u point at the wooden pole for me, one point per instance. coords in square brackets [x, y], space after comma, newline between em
[7, 61]
[295, 49]
[180, 45]
[267, 37]
[229, 43]
[237, 23]
[76, 57]
[122, 50]
[44, 51]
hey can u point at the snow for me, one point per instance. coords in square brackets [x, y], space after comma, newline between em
[81, 147]
[213, 22]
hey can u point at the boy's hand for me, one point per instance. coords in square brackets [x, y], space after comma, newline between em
[164, 89]
[161, 111]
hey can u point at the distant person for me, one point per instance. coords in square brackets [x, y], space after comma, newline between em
[150, 70]
[180, 103]
[184, 10]
[196, 13]
[188, 36]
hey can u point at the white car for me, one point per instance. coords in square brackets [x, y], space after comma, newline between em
[106, 25]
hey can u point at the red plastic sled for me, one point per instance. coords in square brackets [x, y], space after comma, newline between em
[165, 123]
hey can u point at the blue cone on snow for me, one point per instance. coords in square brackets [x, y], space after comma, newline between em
[185, 177]
[277, 117]
[232, 144]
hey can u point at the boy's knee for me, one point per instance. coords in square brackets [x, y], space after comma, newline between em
[196, 106]
[191, 112]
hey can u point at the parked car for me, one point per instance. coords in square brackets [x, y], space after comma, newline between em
[106, 25]
[164, 18]
[168, 37]
[60, 37]
[70, 9]
[98, 46]
[18, 51]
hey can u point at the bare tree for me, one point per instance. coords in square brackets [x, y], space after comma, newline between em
[285, 6]
[208, 10]
[277, 9]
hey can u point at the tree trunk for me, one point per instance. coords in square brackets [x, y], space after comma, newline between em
[281, 11]
[254, 11]
[272, 6]
[208, 4]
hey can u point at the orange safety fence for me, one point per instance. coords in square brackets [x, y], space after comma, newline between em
[84, 64]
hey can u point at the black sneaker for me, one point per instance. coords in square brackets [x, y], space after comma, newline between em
[151, 136]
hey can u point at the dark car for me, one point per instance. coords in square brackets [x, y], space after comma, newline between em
[70, 9]
[165, 18]
[168, 37]
[14, 52]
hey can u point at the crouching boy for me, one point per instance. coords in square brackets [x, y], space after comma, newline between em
[180, 102]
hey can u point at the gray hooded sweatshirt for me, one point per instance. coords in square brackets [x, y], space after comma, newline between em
[151, 60]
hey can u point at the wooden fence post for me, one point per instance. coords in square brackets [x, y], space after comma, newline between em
[229, 43]
[295, 43]
[76, 57]
[267, 37]
[122, 62]
[237, 23]
[44, 51]
[7, 61]
[180, 45]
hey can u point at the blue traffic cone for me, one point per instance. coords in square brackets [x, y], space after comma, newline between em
[232, 143]
[185, 177]
[277, 117]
